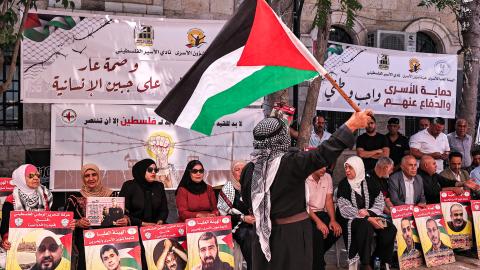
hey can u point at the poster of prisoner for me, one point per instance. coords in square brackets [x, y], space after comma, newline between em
[165, 246]
[112, 248]
[39, 240]
[390, 81]
[458, 217]
[109, 59]
[6, 189]
[210, 243]
[476, 222]
[104, 211]
[115, 137]
[436, 244]
[409, 249]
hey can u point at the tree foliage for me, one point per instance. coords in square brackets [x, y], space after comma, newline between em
[324, 9]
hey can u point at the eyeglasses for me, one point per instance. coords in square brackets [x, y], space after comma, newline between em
[33, 175]
[150, 170]
[194, 171]
[52, 247]
[90, 174]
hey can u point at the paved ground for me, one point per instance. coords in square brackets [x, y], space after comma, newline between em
[461, 263]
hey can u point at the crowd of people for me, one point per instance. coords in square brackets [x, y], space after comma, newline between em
[285, 195]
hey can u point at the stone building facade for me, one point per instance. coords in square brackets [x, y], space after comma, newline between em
[398, 15]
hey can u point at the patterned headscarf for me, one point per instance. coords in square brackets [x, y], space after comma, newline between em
[271, 141]
[100, 190]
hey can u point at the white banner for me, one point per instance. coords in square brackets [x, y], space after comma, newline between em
[390, 82]
[71, 58]
[115, 137]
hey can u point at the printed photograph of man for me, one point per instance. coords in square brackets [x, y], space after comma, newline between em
[434, 235]
[110, 257]
[169, 255]
[208, 251]
[112, 214]
[457, 222]
[407, 233]
[49, 252]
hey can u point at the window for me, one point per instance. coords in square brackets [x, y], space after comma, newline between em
[425, 43]
[11, 108]
[336, 119]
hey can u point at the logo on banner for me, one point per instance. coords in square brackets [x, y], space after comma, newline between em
[144, 35]
[196, 38]
[383, 61]
[148, 235]
[414, 65]
[69, 116]
[64, 222]
[181, 231]
[442, 67]
[18, 222]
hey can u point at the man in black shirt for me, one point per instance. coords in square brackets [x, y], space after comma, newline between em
[380, 175]
[433, 183]
[372, 145]
[397, 143]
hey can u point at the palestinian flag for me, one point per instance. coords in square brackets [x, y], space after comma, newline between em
[254, 55]
[39, 26]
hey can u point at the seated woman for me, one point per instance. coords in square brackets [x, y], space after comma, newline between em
[145, 198]
[76, 203]
[194, 197]
[28, 195]
[230, 203]
[360, 203]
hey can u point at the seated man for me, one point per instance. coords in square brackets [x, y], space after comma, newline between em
[326, 230]
[454, 171]
[380, 174]
[405, 186]
[433, 183]
[475, 161]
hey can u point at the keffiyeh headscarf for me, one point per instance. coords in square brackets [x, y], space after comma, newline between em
[271, 141]
[26, 198]
[100, 190]
[357, 164]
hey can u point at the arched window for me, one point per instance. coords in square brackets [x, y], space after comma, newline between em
[425, 43]
[339, 34]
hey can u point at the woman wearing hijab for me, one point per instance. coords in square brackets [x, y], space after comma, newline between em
[230, 202]
[28, 195]
[194, 197]
[360, 204]
[92, 187]
[145, 199]
[275, 182]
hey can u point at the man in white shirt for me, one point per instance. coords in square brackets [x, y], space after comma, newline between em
[431, 141]
[406, 186]
[319, 134]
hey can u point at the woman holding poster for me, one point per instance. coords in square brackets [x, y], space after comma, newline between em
[28, 195]
[92, 186]
[360, 204]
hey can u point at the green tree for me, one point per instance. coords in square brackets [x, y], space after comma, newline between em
[13, 15]
[467, 13]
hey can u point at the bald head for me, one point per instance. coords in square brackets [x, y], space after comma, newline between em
[428, 164]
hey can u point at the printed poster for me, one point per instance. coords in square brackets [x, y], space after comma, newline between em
[436, 244]
[409, 249]
[112, 249]
[458, 216]
[476, 222]
[165, 246]
[40, 240]
[6, 189]
[210, 243]
[104, 211]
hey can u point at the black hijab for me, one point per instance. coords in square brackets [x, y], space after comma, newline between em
[138, 172]
[188, 183]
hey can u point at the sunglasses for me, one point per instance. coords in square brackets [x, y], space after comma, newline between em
[90, 174]
[150, 170]
[52, 248]
[194, 171]
[33, 175]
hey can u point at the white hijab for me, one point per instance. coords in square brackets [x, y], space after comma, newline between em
[357, 164]
[19, 180]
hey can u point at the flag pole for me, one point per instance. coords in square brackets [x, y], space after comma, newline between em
[327, 76]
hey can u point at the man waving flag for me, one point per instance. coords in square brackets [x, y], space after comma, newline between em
[254, 55]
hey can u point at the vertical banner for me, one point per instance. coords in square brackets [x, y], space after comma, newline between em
[409, 249]
[436, 243]
[113, 248]
[165, 246]
[210, 243]
[40, 240]
[458, 216]
[6, 189]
